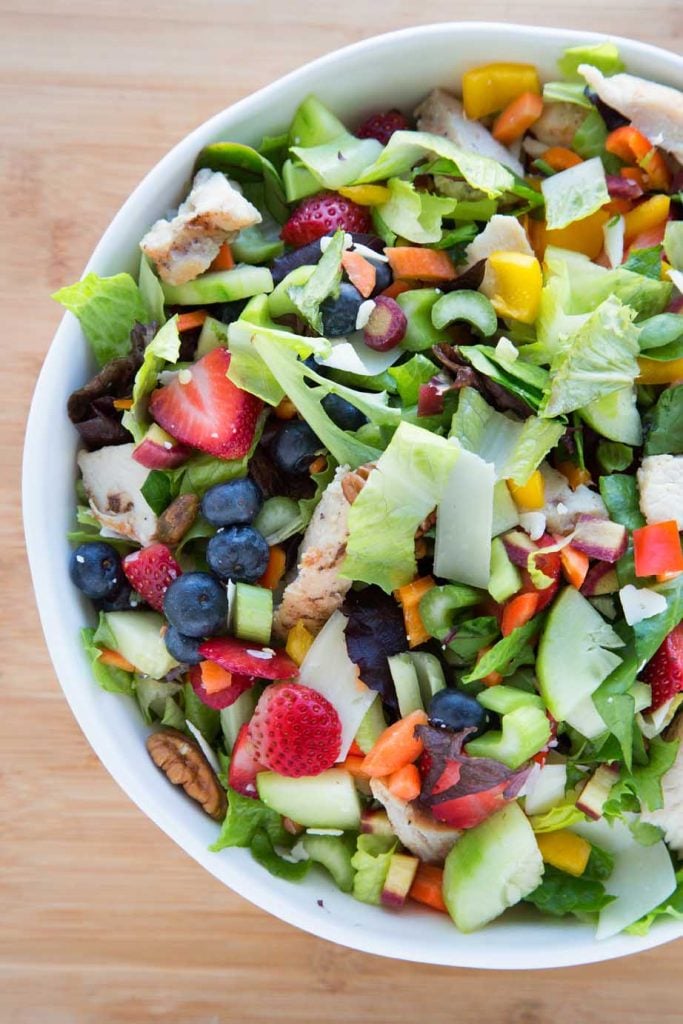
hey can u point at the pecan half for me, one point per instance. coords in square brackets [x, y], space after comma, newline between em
[354, 481]
[180, 758]
[177, 519]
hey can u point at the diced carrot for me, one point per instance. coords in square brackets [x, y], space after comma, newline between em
[560, 158]
[427, 887]
[574, 565]
[398, 745]
[214, 677]
[405, 783]
[275, 570]
[657, 171]
[396, 288]
[415, 264]
[628, 144]
[116, 660]
[633, 174]
[518, 611]
[360, 272]
[318, 465]
[575, 474]
[409, 598]
[123, 403]
[355, 750]
[517, 118]
[225, 260]
[189, 321]
[353, 764]
[285, 409]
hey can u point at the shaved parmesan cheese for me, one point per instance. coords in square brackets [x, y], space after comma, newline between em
[205, 748]
[533, 523]
[462, 549]
[640, 603]
[505, 349]
[363, 315]
[353, 355]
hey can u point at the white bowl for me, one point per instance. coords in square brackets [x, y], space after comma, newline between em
[391, 70]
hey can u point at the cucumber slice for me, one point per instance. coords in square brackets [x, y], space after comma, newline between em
[574, 653]
[615, 416]
[220, 286]
[279, 302]
[252, 613]
[213, 335]
[429, 674]
[404, 675]
[490, 868]
[237, 715]
[328, 800]
[372, 726]
[138, 638]
[334, 853]
[505, 579]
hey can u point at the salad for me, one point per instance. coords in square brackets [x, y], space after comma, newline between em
[381, 489]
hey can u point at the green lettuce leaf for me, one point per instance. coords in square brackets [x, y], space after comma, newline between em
[408, 483]
[560, 894]
[264, 853]
[163, 348]
[575, 193]
[650, 633]
[620, 494]
[114, 680]
[245, 817]
[155, 699]
[414, 215]
[323, 282]
[567, 92]
[157, 490]
[601, 359]
[371, 862]
[661, 337]
[647, 262]
[107, 308]
[664, 423]
[603, 56]
[520, 378]
[151, 291]
[561, 816]
[643, 783]
[671, 907]
[206, 719]
[506, 656]
[410, 375]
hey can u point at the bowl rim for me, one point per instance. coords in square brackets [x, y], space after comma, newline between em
[244, 882]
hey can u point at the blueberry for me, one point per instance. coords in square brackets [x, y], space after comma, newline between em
[339, 315]
[306, 255]
[383, 277]
[455, 710]
[294, 447]
[343, 413]
[196, 604]
[227, 312]
[122, 600]
[239, 553]
[96, 570]
[236, 501]
[184, 649]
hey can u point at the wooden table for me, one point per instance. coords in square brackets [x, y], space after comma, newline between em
[103, 919]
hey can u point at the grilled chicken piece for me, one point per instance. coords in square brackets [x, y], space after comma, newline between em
[428, 839]
[113, 482]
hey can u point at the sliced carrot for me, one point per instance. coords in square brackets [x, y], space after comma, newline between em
[225, 260]
[633, 147]
[409, 598]
[574, 565]
[116, 660]
[123, 403]
[353, 764]
[575, 474]
[517, 118]
[518, 611]
[560, 158]
[427, 887]
[633, 174]
[318, 465]
[398, 745]
[275, 570]
[189, 321]
[214, 677]
[397, 288]
[360, 272]
[415, 264]
[285, 409]
[405, 783]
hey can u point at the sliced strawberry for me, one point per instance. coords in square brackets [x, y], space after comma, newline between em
[551, 566]
[150, 571]
[470, 810]
[295, 730]
[203, 409]
[318, 215]
[246, 659]
[383, 125]
[244, 764]
[664, 671]
[220, 698]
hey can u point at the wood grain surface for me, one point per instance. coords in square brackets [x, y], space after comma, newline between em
[102, 919]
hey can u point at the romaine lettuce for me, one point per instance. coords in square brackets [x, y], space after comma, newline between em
[575, 193]
[107, 308]
[371, 863]
[163, 348]
[604, 56]
[414, 215]
[323, 282]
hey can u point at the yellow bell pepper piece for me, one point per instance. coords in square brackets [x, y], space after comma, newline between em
[528, 497]
[565, 851]
[584, 235]
[299, 641]
[366, 195]
[648, 215]
[575, 474]
[666, 267]
[491, 87]
[517, 284]
[652, 371]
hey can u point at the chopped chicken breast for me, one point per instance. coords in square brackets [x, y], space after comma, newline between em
[113, 482]
[660, 481]
[558, 124]
[563, 506]
[443, 114]
[428, 839]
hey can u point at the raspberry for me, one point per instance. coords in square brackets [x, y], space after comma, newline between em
[150, 572]
[664, 671]
[320, 214]
[295, 730]
[382, 126]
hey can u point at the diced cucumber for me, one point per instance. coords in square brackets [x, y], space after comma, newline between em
[505, 513]
[328, 800]
[615, 416]
[279, 302]
[220, 286]
[252, 613]
[404, 675]
[278, 519]
[491, 867]
[213, 335]
[256, 245]
[524, 732]
[504, 699]
[429, 674]
[372, 726]
[505, 579]
[237, 715]
[334, 853]
[138, 638]
[298, 181]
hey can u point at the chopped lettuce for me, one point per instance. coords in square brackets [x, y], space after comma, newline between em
[647, 262]
[414, 215]
[664, 429]
[204, 718]
[323, 282]
[114, 680]
[670, 907]
[244, 818]
[561, 816]
[163, 348]
[107, 308]
[560, 894]
[650, 633]
[575, 193]
[410, 375]
[338, 162]
[151, 291]
[508, 654]
[404, 488]
[521, 378]
[155, 698]
[601, 359]
[643, 783]
[371, 863]
[567, 92]
[604, 56]
[661, 337]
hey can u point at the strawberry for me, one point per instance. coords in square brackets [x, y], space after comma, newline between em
[203, 409]
[244, 765]
[221, 698]
[246, 659]
[295, 730]
[150, 571]
[383, 125]
[320, 214]
[664, 671]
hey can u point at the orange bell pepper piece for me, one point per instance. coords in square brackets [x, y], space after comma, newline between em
[657, 549]
[517, 118]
